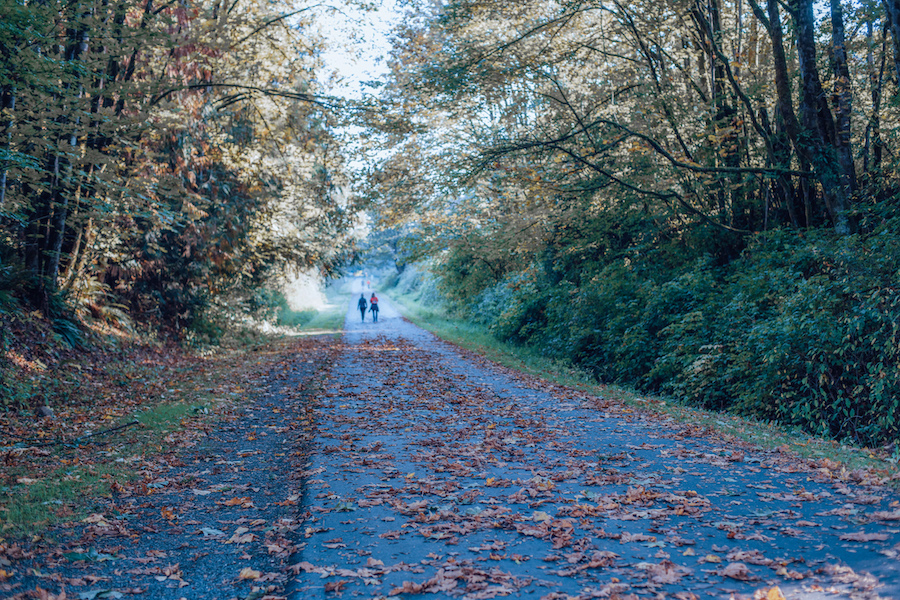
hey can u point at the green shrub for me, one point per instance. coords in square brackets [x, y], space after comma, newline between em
[802, 328]
[295, 318]
[824, 352]
[391, 280]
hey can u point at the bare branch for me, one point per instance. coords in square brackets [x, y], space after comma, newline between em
[320, 101]
[272, 22]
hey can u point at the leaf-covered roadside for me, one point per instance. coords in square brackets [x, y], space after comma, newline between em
[477, 338]
[208, 485]
[112, 408]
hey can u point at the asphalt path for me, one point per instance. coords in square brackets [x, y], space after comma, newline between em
[434, 473]
[393, 464]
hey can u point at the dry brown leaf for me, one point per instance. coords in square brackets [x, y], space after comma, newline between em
[737, 571]
[783, 572]
[883, 515]
[306, 567]
[336, 586]
[408, 587]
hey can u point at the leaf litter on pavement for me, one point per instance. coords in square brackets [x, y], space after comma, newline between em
[423, 470]
[436, 472]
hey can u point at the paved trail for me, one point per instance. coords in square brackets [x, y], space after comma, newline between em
[436, 473]
[432, 473]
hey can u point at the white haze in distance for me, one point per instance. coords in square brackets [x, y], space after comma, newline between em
[357, 47]
[304, 291]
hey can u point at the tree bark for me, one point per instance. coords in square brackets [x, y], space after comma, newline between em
[47, 219]
[874, 145]
[8, 105]
[781, 157]
[817, 120]
[709, 25]
[81, 250]
[892, 10]
[843, 98]
[787, 127]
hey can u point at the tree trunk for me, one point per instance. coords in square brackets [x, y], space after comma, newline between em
[8, 105]
[817, 120]
[44, 245]
[787, 128]
[82, 249]
[843, 98]
[781, 157]
[892, 10]
[729, 194]
[874, 144]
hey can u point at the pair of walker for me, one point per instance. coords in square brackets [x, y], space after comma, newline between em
[372, 305]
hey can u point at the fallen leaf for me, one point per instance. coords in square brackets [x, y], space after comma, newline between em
[306, 567]
[243, 502]
[336, 586]
[775, 593]
[737, 571]
[883, 515]
[864, 537]
[408, 587]
[783, 572]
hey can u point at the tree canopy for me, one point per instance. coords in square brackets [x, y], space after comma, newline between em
[159, 155]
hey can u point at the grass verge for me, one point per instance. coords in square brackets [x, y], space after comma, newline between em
[88, 450]
[329, 320]
[528, 360]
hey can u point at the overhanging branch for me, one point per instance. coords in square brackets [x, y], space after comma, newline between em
[249, 91]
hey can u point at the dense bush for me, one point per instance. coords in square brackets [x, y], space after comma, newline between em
[800, 329]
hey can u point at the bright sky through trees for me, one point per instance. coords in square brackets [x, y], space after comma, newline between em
[357, 46]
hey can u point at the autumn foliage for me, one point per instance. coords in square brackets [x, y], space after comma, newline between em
[148, 152]
[693, 198]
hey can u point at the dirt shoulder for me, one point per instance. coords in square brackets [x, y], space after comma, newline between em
[213, 513]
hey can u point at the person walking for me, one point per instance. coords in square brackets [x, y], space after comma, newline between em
[362, 305]
[373, 301]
